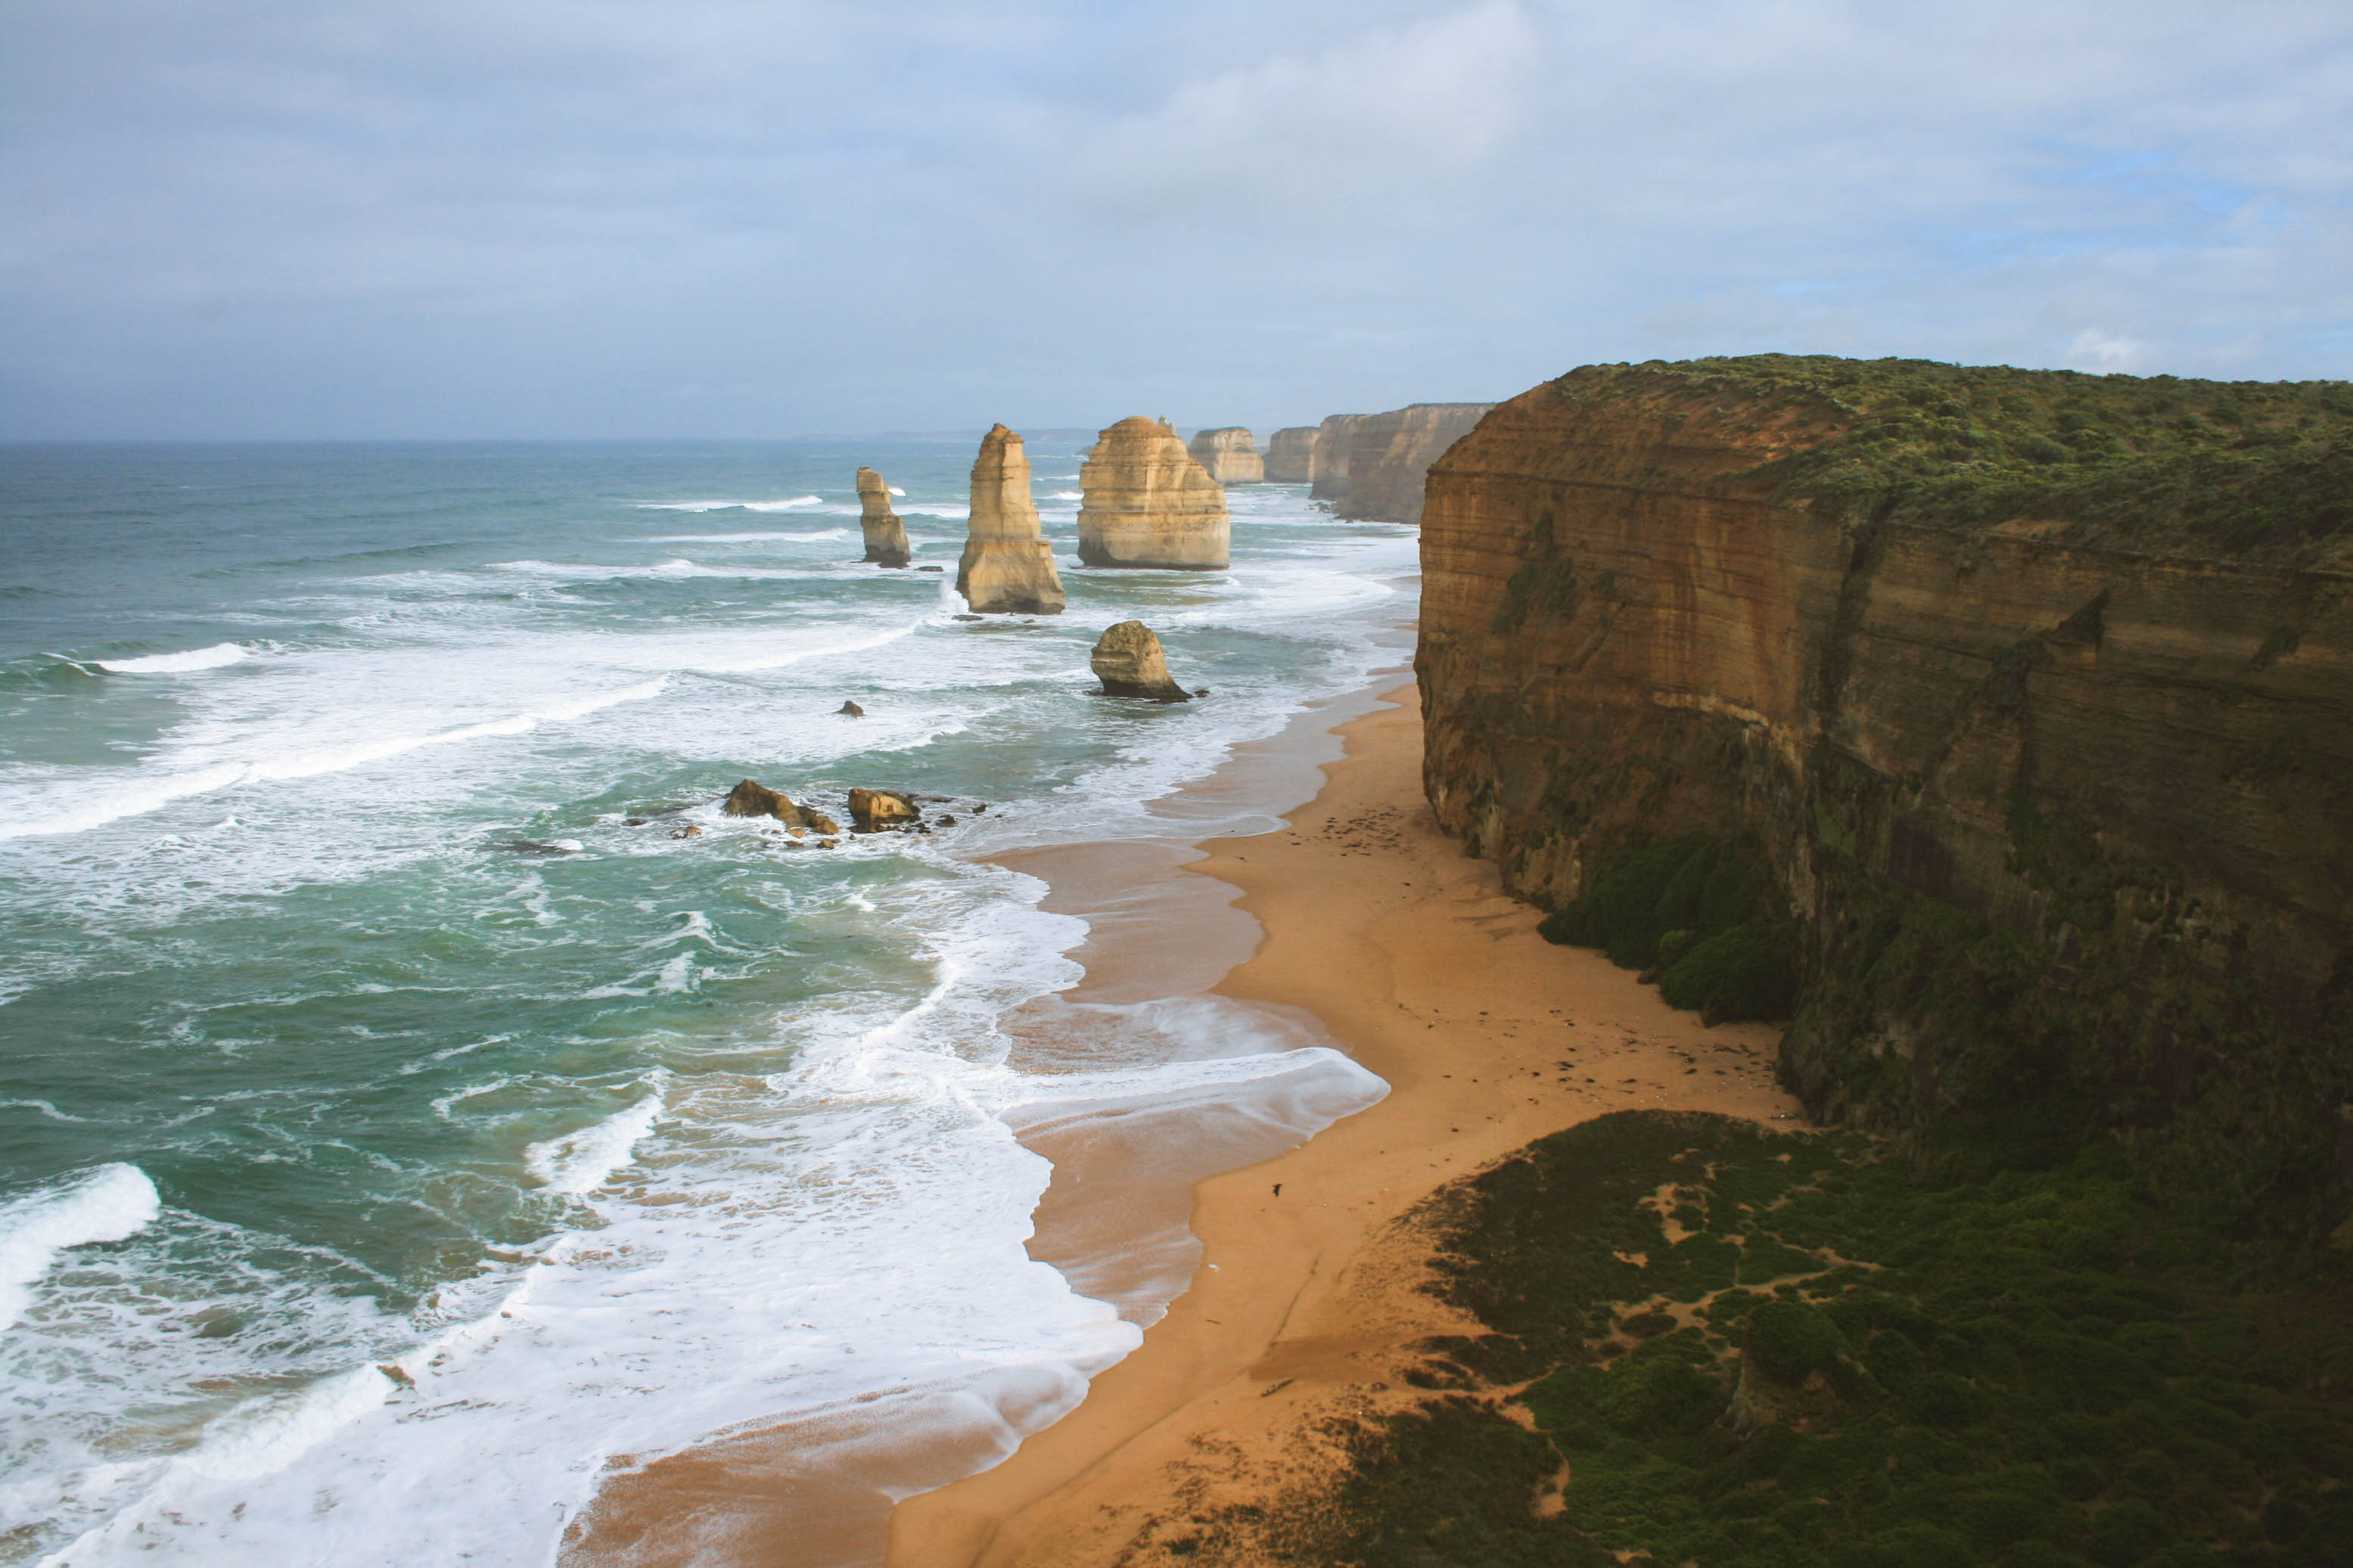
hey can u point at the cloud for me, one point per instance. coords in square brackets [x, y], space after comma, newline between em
[537, 217]
[1310, 136]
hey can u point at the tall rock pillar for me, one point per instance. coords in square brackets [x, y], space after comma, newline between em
[1148, 503]
[886, 536]
[1007, 566]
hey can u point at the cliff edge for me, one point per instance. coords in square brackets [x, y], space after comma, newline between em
[1390, 456]
[2031, 693]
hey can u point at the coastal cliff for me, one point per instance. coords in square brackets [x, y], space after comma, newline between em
[1334, 437]
[1008, 567]
[1229, 455]
[1390, 456]
[1290, 456]
[2030, 693]
[886, 536]
[1147, 503]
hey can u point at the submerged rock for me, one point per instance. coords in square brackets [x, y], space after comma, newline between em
[852, 710]
[1128, 661]
[753, 799]
[1147, 503]
[691, 830]
[873, 810]
[886, 536]
[1008, 567]
[1229, 455]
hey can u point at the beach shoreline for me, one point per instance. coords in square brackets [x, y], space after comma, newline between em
[1412, 957]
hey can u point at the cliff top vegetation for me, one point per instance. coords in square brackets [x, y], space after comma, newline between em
[2201, 468]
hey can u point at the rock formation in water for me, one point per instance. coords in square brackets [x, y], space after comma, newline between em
[886, 536]
[1389, 455]
[1147, 503]
[751, 799]
[1290, 456]
[1228, 457]
[2030, 692]
[1128, 661]
[851, 709]
[1334, 437]
[873, 810]
[1008, 567]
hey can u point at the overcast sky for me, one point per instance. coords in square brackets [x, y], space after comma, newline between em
[264, 218]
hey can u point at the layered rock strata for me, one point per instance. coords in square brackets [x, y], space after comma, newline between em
[1229, 456]
[1389, 455]
[2057, 792]
[1147, 503]
[1008, 567]
[886, 536]
[1290, 456]
[751, 798]
[1334, 438]
[1128, 661]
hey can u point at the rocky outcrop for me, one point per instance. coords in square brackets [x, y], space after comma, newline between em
[1290, 456]
[1008, 567]
[1128, 661]
[2055, 787]
[1334, 438]
[1147, 503]
[886, 536]
[1229, 455]
[850, 709]
[751, 799]
[1389, 454]
[874, 810]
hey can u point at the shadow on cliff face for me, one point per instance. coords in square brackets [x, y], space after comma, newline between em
[2026, 697]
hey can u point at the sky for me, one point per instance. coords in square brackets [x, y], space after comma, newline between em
[284, 219]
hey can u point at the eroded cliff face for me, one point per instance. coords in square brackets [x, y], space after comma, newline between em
[886, 536]
[1147, 503]
[1334, 438]
[1008, 567]
[2063, 826]
[1290, 456]
[1228, 455]
[1389, 455]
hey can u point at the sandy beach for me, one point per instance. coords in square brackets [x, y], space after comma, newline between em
[1412, 958]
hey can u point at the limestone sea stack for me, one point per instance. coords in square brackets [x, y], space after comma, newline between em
[1229, 456]
[1128, 661]
[1329, 481]
[886, 536]
[1290, 456]
[1147, 503]
[876, 810]
[1007, 566]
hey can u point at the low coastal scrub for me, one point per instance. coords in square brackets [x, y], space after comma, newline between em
[2227, 469]
[1692, 910]
[1712, 1345]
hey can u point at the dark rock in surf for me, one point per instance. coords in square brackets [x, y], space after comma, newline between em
[852, 710]
[753, 799]
[877, 810]
[1128, 661]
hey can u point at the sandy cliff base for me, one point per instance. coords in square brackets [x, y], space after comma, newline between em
[1489, 1037]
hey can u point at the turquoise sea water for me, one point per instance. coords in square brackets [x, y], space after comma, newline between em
[400, 1120]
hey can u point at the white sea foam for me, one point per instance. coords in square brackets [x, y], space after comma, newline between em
[103, 1205]
[785, 505]
[815, 536]
[580, 1161]
[211, 657]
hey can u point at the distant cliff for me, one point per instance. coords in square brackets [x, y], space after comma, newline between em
[1290, 456]
[2032, 692]
[1229, 455]
[1389, 454]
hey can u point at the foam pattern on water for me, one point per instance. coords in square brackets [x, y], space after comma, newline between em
[409, 1121]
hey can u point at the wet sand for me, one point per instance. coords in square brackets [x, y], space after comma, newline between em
[1410, 955]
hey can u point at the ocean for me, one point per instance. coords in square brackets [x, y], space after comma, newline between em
[407, 1123]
